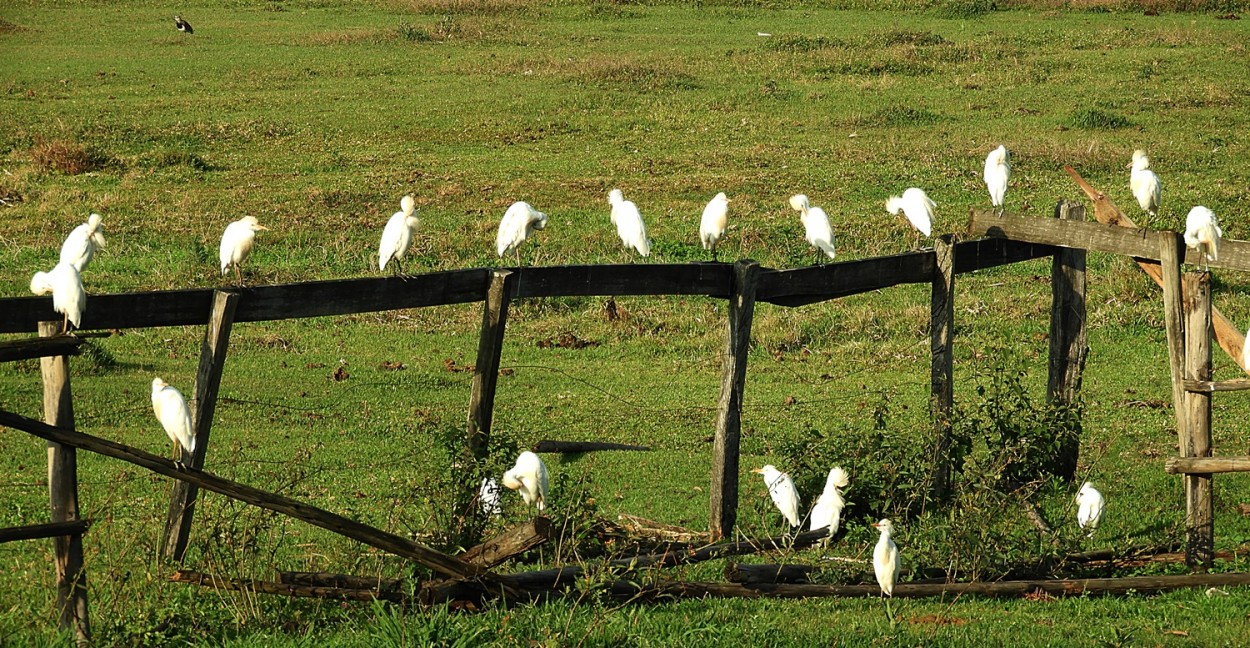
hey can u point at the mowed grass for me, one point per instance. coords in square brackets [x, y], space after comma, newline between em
[317, 117]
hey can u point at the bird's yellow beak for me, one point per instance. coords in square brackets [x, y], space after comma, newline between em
[878, 526]
[262, 227]
[758, 471]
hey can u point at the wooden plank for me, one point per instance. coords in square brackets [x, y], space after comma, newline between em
[942, 364]
[49, 530]
[1174, 323]
[711, 279]
[1099, 237]
[71, 577]
[1200, 511]
[435, 560]
[298, 591]
[1208, 386]
[724, 489]
[1068, 346]
[207, 382]
[628, 590]
[810, 285]
[40, 347]
[1206, 465]
[573, 447]
[512, 542]
[1227, 334]
[748, 574]
[644, 528]
[344, 581]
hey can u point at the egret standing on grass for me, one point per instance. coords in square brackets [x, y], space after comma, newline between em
[828, 509]
[628, 221]
[68, 296]
[1089, 508]
[1144, 183]
[397, 236]
[530, 477]
[818, 232]
[885, 563]
[517, 224]
[236, 244]
[997, 170]
[781, 488]
[714, 222]
[918, 209]
[172, 411]
[1202, 232]
[80, 246]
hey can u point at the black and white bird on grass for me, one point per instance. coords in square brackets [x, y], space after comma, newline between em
[182, 25]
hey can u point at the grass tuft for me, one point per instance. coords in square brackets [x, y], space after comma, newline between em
[64, 156]
[1093, 118]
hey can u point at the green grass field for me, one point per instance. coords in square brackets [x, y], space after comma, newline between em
[316, 117]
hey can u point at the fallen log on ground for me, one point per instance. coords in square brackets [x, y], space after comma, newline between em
[48, 530]
[658, 530]
[300, 591]
[341, 581]
[749, 574]
[512, 542]
[1135, 551]
[571, 447]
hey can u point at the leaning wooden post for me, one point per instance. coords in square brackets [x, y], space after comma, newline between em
[482, 397]
[1171, 253]
[207, 382]
[1199, 511]
[1068, 347]
[941, 383]
[58, 410]
[724, 490]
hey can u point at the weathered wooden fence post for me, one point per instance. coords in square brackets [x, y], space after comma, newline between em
[1199, 511]
[1171, 253]
[207, 382]
[724, 490]
[941, 383]
[1068, 347]
[482, 396]
[58, 410]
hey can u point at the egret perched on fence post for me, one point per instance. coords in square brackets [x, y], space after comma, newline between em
[918, 209]
[1089, 508]
[1202, 233]
[516, 225]
[236, 244]
[172, 411]
[827, 512]
[997, 171]
[530, 477]
[1144, 183]
[817, 229]
[397, 235]
[628, 221]
[80, 246]
[781, 489]
[714, 222]
[68, 296]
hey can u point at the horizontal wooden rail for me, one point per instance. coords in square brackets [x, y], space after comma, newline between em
[1099, 237]
[1208, 386]
[435, 560]
[49, 530]
[1206, 465]
[40, 347]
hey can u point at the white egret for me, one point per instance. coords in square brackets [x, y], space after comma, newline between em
[885, 563]
[782, 490]
[827, 511]
[715, 220]
[1089, 508]
[172, 411]
[917, 207]
[628, 221]
[517, 224]
[816, 226]
[397, 236]
[80, 246]
[488, 497]
[1144, 183]
[68, 296]
[236, 244]
[530, 477]
[1202, 232]
[997, 170]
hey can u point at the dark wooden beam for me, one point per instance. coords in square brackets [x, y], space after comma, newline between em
[389, 542]
[1200, 508]
[1206, 465]
[942, 365]
[298, 591]
[49, 530]
[724, 489]
[40, 347]
[711, 279]
[1068, 346]
[750, 574]
[476, 449]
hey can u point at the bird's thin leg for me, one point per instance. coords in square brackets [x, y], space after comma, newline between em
[65, 324]
[516, 251]
[238, 275]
